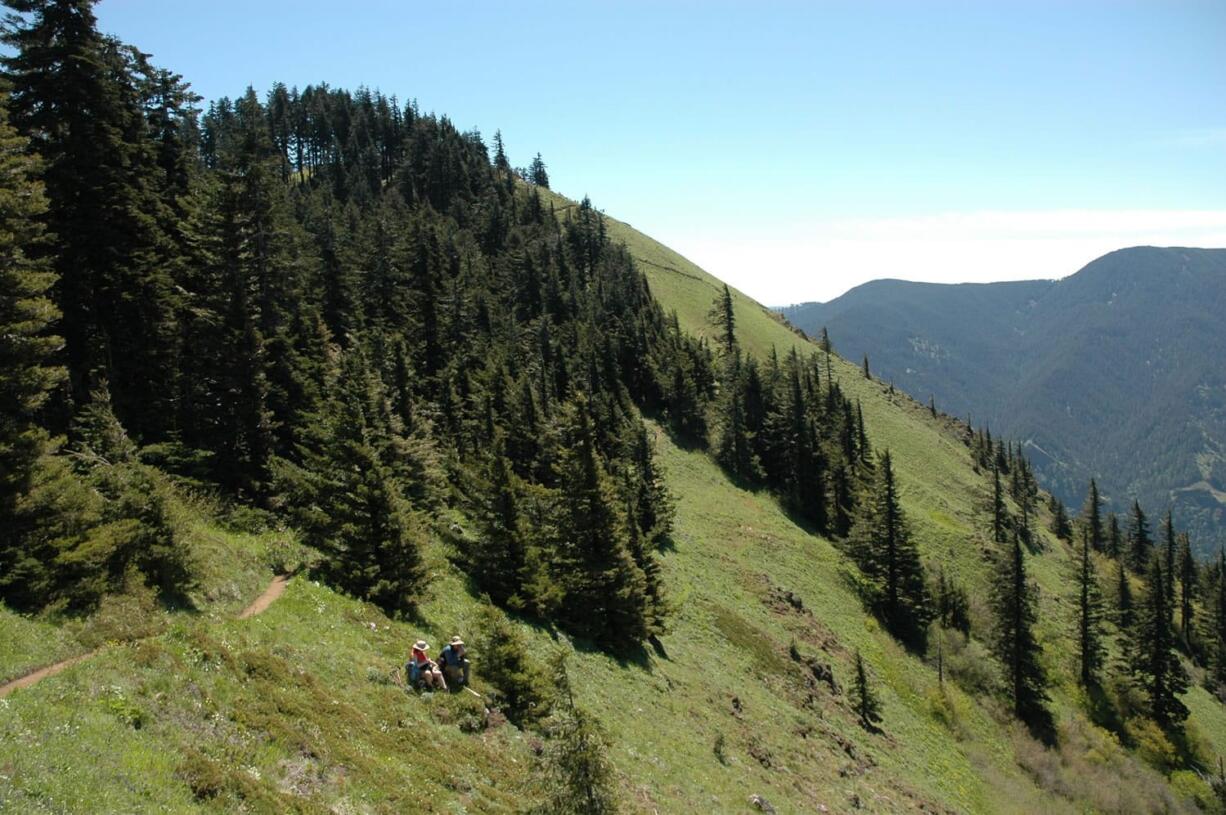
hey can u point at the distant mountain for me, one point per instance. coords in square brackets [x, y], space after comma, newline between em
[1115, 372]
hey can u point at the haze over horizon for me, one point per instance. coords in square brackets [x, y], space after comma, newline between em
[799, 150]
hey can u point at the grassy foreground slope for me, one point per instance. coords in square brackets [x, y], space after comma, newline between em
[295, 710]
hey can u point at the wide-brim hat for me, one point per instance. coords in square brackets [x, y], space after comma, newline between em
[457, 641]
[421, 645]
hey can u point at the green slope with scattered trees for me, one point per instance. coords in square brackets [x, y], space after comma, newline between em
[701, 562]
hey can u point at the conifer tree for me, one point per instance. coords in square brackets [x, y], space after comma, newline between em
[889, 559]
[723, 318]
[734, 448]
[1124, 615]
[76, 94]
[1158, 669]
[867, 375]
[863, 699]
[952, 605]
[1015, 602]
[500, 557]
[27, 372]
[1189, 588]
[1089, 615]
[349, 501]
[1140, 546]
[537, 173]
[605, 589]
[1115, 538]
[1217, 625]
[1170, 558]
[506, 660]
[579, 777]
[1091, 517]
[1000, 516]
[1060, 525]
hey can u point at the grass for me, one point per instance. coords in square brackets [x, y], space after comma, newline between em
[295, 710]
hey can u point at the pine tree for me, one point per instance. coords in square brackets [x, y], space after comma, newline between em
[1217, 625]
[1060, 525]
[579, 777]
[605, 589]
[867, 375]
[1170, 552]
[889, 559]
[734, 448]
[1158, 669]
[1115, 538]
[27, 372]
[1140, 546]
[1000, 516]
[537, 173]
[500, 557]
[349, 501]
[1091, 517]
[523, 691]
[1015, 602]
[77, 95]
[952, 605]
[864, 700]
[1125, 616]
[1089, 615]
[723, 318]
[1188, 589]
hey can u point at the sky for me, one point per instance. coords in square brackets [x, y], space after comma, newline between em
[794, 149]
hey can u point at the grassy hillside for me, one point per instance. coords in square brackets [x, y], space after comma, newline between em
[295, 710]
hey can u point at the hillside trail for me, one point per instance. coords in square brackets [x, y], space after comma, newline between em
[258, 606]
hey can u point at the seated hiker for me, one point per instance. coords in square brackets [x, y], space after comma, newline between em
[454, 659]
[423, 670]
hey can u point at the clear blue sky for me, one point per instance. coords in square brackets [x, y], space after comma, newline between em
[793, 148]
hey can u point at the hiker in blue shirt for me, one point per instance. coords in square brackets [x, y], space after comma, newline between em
[454, 662]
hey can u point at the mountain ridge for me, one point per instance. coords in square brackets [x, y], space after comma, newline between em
[1137, 325]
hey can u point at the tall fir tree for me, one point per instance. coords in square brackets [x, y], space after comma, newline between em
[1189, 589]
[1090, 649]
[1015, 603]
[1140, 545]
[1160, 673]
[882, 544]
[1091, 517]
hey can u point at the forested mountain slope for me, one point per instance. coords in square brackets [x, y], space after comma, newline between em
[1111, 373]
[701, 563]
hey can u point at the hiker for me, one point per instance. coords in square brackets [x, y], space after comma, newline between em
[454, 659]
[422, 669]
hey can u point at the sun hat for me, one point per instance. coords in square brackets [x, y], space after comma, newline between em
[421, 645]
[457, 641]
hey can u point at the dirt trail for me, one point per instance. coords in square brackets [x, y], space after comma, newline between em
[275, 589]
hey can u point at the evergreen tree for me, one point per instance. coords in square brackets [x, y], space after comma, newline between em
[349, 502]
[864, 700]
[1000, 516]
[867, 375]
[1188, 589]
[1125, 616]
[1089, 615]
[734, 448]
[1115, 538]
[77, 95]
[1158, 668]
[537, 173]
[1217, 625]
[1170, 552]
[1015, 603]
[507, 662]
[889, 559]
[27, 372]
[1091, 517]
[1060, 525]
[605, 589]
[723, 318]
[952, 605]
[579, 779]
[1140, 547]
[499, 558]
